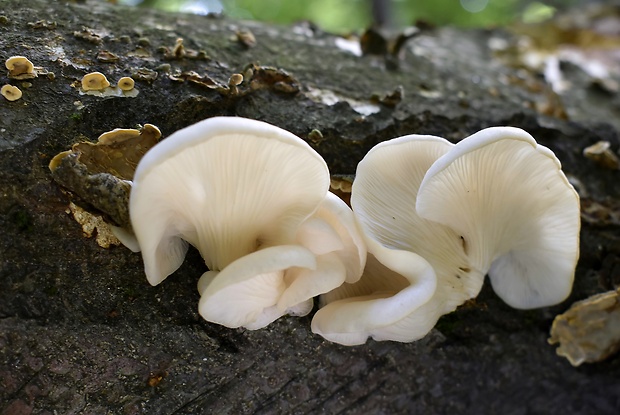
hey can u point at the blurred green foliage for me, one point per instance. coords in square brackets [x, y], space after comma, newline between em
[353, 15]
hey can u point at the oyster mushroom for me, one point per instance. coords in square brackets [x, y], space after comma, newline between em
[404, 274]
[495, 203]
[328, 242]
[518, 214]
[252, 198]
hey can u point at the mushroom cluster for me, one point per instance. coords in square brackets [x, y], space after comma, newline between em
[253, 199]
[96, 83]
[429, 220]
[496, 203]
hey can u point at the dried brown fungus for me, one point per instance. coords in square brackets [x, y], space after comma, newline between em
[590, 330]
[99, 173]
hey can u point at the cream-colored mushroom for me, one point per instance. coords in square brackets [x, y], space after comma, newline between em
[330, 244]
[11, 93]
[94, 81]
[405, 273]
[126, 83]
[252, 198]
[20, 68]
[517, 213]
[495, 203]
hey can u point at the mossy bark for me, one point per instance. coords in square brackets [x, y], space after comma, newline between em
[81, 331]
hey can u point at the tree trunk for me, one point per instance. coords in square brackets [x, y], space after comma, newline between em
[81, 331]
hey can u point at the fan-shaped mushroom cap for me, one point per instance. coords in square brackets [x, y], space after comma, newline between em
[282, 280]
[228, 186]
[246, 292]
[518, 214]
[396, 283]
[383, 199]
[384, 196]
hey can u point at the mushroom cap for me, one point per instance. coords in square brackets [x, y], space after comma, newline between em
[383, 200]
[247, 292]
[334, 217]
[126, 83]
[11, 93]
[118, 135]
[384, 197]
[20, 67]
[94, 81]
[149, 133]
[228, 186]
[283, 279]
[396, 283]
[515, 209]
[235, 79]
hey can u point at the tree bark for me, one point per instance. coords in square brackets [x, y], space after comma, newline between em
[81, 331]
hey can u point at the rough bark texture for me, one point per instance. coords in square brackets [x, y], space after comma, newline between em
[81, 331]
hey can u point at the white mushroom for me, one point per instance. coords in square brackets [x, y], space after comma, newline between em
[405, 263]
[245, 293]
[496, 202]
[243, 193]
[515, 209]
[226, 185]
[382, 304]
[329, 251]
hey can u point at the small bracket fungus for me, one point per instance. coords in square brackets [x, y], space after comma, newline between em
[252, 198]
[144, 74]
[11, 93]
[601, 153]
[20, 68]
[116, 152]
[126, 83]
[234, 80]
[179, 51]
[107, 56]
[495, 203]
[94, 81]
[100, 173]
